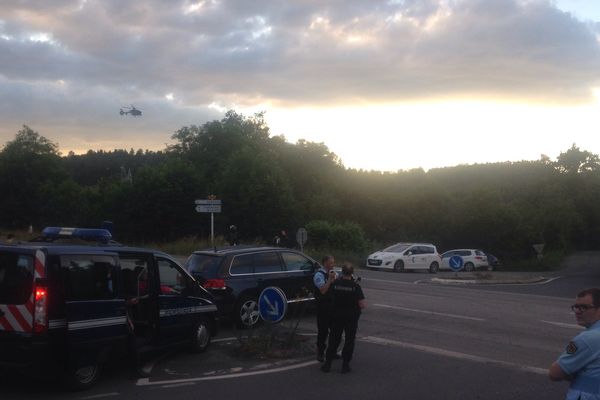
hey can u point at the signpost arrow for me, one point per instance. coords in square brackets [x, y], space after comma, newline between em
[272, 304]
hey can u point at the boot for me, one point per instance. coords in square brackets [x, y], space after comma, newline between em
[326, 367]
[346, 368]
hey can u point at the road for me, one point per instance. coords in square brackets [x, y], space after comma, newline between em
[416, 340]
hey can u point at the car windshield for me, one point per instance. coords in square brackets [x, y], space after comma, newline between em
[397, 248]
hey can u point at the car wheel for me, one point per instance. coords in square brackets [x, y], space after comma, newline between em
[434, 268]
[247, 312]
[83, 377]
[200, 336]
[469, 267]
[399, 266]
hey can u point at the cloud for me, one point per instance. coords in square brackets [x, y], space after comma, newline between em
[99, 55]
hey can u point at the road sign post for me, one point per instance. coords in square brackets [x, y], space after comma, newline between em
[301, 237]
[212, 206]
[272, 304]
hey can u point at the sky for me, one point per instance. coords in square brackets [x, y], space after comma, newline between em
[386, 85]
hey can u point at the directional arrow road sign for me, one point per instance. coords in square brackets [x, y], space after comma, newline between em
[272, 304]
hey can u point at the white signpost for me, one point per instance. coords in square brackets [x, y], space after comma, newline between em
[210, 205]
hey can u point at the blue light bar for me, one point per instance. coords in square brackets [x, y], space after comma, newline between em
[100, 235]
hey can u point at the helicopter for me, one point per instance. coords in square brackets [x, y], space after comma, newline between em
[131, 111]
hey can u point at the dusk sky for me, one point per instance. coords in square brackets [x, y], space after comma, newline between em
[386, 85]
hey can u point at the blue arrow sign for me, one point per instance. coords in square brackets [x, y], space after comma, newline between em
[272, 304]
[455, 263]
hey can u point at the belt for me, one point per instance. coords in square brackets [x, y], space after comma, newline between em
[586, 384]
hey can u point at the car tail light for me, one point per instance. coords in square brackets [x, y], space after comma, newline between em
[214, 284]
[40, 310]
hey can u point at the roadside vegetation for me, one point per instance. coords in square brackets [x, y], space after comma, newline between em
[268, 185]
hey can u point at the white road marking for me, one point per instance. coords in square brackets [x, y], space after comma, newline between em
[429, 312]
[363, 279]
[227, 339]
[562, 324]
[453, 354]
[147, 382]
[100, 396]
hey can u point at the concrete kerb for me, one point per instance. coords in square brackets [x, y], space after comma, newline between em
[491, 280]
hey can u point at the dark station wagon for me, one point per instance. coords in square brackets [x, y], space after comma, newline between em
[237, 275]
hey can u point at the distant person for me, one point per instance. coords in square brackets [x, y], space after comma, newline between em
[233, 235]
[322, 280]
[580, 362]
[284, 240]
[276, 240]
[347, 301]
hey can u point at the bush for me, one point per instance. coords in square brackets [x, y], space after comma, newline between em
[343, 236]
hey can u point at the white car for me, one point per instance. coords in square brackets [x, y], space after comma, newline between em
[406, 256]
[472, 259]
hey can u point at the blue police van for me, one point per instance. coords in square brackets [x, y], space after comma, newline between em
[73, 299]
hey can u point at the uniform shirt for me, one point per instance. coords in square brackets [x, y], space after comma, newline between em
[346, 295]
[581, 359]
[320, 278]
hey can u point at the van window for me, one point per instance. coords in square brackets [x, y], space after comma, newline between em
[16, 278]
[266, 262]
[135, 273]
[88, 277]
[296, 262]
[172, 279]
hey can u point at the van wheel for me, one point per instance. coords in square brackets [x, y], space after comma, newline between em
[399, 266]
[81, 378]
[247, 312]
[200, 336]
[469, 267]
[434, 267]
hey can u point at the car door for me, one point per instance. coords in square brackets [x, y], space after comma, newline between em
[177, 309]
[268, 271]
[411, 258]
[299, 273]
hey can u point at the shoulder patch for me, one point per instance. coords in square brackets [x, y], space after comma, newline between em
[571, 348]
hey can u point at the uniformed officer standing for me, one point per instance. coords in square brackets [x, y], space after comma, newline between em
[580, 362]
[347, 301]
[322, 280]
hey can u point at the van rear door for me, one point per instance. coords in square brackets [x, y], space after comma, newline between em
[17, 272]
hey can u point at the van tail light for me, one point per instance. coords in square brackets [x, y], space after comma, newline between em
[214, 284]
[40, 310]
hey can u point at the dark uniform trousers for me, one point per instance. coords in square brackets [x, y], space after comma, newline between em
[323, 323]
[347, 326]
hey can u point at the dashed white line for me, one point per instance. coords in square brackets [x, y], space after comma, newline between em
[429, 312]
[453, 354]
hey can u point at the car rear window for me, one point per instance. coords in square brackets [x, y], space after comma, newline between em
[204, 265]
[16, 278]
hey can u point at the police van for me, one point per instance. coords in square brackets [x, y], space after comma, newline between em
[69, 307]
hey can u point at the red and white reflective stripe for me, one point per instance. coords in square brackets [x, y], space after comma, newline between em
[16, 318]
[20, 318]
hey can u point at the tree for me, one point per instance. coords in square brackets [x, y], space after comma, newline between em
[576, 161]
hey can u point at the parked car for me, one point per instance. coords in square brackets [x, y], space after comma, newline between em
[493, 261]
[237, 275]
[472, 259]
[406, 256]
[73, 299]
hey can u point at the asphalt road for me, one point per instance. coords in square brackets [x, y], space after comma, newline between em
[416, 340]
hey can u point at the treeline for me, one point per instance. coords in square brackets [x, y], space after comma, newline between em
[267, 184]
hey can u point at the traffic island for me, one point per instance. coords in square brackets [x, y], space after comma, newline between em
[273, 342]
